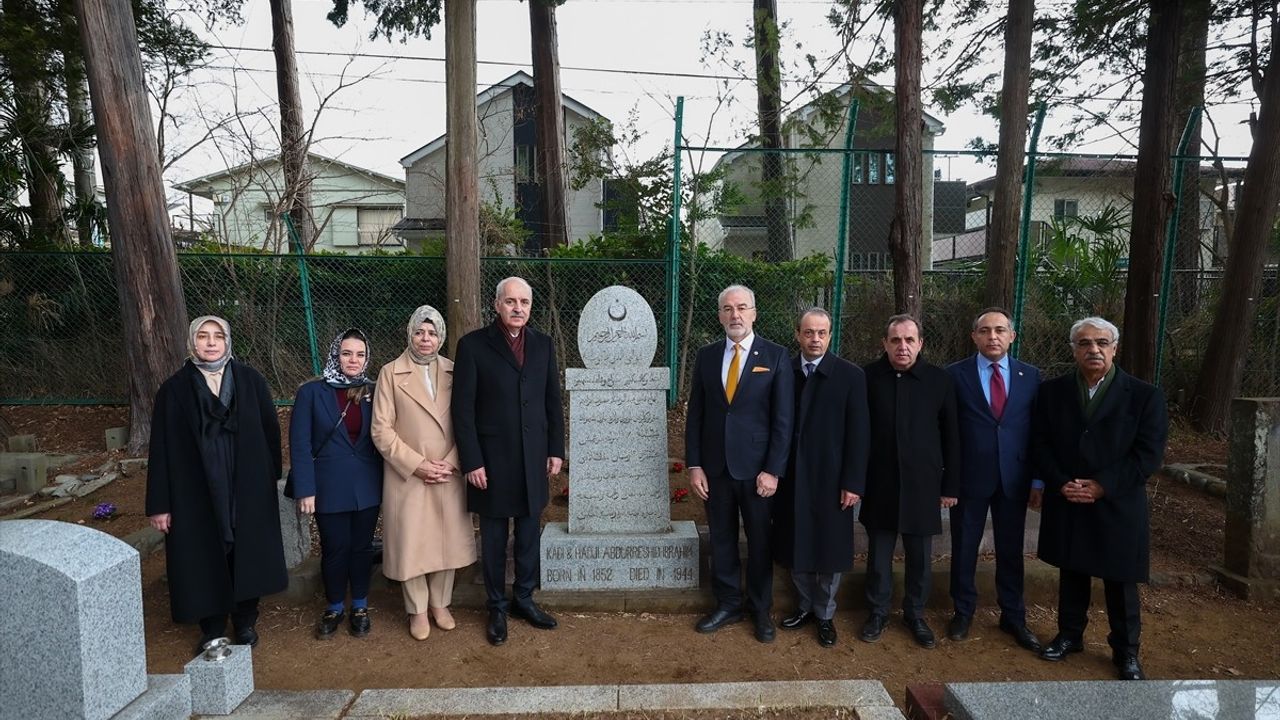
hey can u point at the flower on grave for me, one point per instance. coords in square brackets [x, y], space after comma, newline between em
[677, 467]
[680, 495]
[104, 511]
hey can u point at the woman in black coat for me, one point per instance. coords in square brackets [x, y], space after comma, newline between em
[211, 486]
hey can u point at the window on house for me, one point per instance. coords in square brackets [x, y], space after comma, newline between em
[873, 168]
[888, 169]
[1066, 209]
[859, 163]
[526, 162]
[373, 225]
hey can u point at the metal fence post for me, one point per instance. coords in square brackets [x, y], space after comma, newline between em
[304, 279]
[1171, 236]
[1024, 227]
[673, 261]
[842, 235]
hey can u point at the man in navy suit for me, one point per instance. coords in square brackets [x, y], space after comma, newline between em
[995, 395]
[737, 436]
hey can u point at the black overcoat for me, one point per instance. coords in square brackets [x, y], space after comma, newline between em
[1119, 446]
[828, 454]
[915, 448]
[200, 583]
[507, 419]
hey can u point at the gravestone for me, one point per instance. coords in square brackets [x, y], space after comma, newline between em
[72, 626]
[295, 529]
[620, 535]
[1251, 542]
[22, 443]
[116, 437]
[1150, 700]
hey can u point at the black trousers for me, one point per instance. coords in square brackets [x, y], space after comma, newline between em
[244, 613]
[346, 552]
[727, 499]
[1008, 525]
[919, 552]
[493, 559]
[1124, 611]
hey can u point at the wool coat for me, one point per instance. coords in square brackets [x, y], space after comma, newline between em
[829, 451]
[1119, 445]
[425, 526]
[201, 582]
[345, 476]
[915, 447]
[508, 419]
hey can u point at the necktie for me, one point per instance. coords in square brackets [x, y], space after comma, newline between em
[809, 368]
[731, 382]
[997, 391]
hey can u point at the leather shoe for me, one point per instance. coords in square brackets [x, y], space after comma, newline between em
[497, 629]
[1060, 648]
[826, 633]
[873, 628]
[328, 624]
[247, 636]
[765, 632]
[718, 619]
[920, 632]
[797, 619]
[958, 628]
[360, 622]
[1022, 634]
[534, 615]
[1128, 666]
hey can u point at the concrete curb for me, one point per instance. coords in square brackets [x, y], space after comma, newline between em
[1190, 474]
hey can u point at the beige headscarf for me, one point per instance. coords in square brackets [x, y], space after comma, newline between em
[425, 313]
[221, 362]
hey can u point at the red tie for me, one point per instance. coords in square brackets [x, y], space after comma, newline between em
[997, 392]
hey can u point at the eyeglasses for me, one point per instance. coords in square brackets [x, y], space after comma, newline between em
[728, 309]
[1086, 343]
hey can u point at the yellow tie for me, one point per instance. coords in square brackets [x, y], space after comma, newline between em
[731, 382]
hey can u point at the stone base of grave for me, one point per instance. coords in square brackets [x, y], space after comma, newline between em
[218, 687]
[619, 561]
[1150, 700]
[1248, 588]
[168, 697]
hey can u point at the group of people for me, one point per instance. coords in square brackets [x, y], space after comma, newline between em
[432, 441]
[790, 445]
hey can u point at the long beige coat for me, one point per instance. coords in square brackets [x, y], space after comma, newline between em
[425, 527]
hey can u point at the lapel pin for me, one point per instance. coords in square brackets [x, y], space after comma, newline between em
[1019, 372]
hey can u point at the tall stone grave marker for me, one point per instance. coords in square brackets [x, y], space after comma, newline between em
[620, 535]
[1251, 552]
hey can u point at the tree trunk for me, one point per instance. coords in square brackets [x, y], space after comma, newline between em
[153, 311]
[549, 122]
[1228, 346]
[82, 159]
[293, 139]
[906, 233]
[462, 184]
[1152, 200]
[1002, 236]
[1190, 93]
[769, 107]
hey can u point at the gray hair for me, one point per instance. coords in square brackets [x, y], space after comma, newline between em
[497, 291]
[988, 311]
[902, 318]
[1095, 322]
[731, 288]
[815, 310]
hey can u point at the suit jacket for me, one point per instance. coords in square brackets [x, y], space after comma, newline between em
[828, 454]
[507, 419]
[1119, 446]
[345, 476]
[995, 455]
[752, 434]
[915, 448]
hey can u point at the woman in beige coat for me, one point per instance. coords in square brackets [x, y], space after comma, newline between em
[426, 529]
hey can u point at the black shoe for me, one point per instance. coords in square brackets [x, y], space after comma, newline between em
[798, 619]
[718, 619]
[1022, 634]
[765, 632]
[1127, 666]
[534, 615]
[329, 623]
[958, 628]
[826, 633]
[497, 629]
[1060, 648]
[920, 632]
[873, 628]
[360, 622]
[247, 636]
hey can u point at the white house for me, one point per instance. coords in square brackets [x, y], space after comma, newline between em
[354, 208]
[507, 161]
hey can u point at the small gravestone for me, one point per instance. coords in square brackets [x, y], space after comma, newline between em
[72, 625]
[1251, 541]
[116, 437]
[31, 471]
[620, 535]
[220, 681]
[22, 443]
[295, 529]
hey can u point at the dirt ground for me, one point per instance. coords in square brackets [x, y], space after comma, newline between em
[1189, 631]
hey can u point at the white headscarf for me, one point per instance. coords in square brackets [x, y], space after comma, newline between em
[425, 313]
[215, 365]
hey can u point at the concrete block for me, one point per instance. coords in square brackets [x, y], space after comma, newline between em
[168, 697]
[31, 471]
[22, 443]
[565, 699]
[743, 695]
[1150, 700]
[294, 705]
[116, 437]
[219, 686]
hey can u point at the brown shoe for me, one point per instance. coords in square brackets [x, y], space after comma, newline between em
[419, 626]
[444, 618]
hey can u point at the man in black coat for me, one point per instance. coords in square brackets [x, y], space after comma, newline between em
[509, 426]
[1099, 433]
[211, 487]
[813, 519]
[737, 435]
[914, 469]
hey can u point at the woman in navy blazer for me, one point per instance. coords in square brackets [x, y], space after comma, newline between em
[337, 476]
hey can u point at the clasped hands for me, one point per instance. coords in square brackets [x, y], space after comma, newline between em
[1082, 490]
[434, 471]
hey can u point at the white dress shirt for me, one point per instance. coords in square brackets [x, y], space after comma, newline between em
[742, 358]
